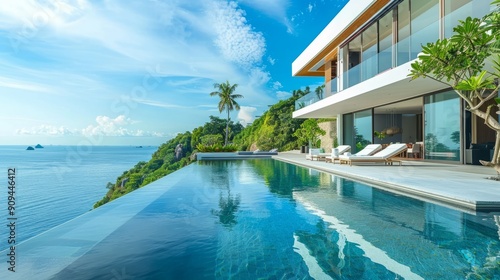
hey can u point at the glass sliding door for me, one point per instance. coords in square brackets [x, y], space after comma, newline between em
[363, 129]
[442, 126]
[348, 131]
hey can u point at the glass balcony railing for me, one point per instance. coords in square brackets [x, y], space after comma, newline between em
[312, 97]
[333, 86]
[306, 100]
[406, 50]
[395, 55]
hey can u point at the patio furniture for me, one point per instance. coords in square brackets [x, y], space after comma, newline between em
[369, 150]
[415, 151]
[336, 152]
[386, 155]
[315, 153]
[366, 151]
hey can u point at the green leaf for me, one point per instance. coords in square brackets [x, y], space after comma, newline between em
[476, 83]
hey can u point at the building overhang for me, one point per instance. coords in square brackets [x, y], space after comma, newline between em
[388, 87]
[352, 17]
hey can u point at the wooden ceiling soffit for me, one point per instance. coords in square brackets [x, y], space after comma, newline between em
[332, 56]
[334, 44]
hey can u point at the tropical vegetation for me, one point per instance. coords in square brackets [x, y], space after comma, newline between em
[309, 132]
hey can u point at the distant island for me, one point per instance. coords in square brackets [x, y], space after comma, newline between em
[38, 146]
[30, 148]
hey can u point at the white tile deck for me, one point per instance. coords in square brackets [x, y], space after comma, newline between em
[462, 186]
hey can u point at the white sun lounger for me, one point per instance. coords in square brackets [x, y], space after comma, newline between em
[386, 155]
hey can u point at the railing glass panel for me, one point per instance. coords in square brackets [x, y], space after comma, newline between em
[313, 97]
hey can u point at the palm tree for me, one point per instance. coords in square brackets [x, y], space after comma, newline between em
[227, 100]
[319, 91]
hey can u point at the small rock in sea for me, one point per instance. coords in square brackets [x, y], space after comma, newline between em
[30, 148]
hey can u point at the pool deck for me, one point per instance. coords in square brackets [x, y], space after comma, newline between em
[460, 186]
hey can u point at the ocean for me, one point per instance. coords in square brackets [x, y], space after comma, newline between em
[55, 184]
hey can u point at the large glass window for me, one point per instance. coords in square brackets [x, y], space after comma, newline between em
[348, 130]
[424, 24]
[363, 129]
[442, 126]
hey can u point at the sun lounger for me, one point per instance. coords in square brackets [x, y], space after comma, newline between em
[366, 151]
[340, 151]
[386, 155]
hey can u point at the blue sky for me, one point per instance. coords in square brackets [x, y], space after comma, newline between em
[111, 72]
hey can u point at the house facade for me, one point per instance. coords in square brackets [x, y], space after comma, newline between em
[365, 55]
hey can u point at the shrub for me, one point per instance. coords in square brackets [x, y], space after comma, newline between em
[211, 139]
[216, 148]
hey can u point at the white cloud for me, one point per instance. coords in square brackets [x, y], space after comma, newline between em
[283, 94]
[115, 127]
[23, 85]
[45, 129]
[310, 7]
[245, 115]
[105, 126]
[31, 14]
[277, 85]
[271, 60]
[236, 39]
[259, 77]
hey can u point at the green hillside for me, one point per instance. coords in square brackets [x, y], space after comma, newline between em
[274, 129]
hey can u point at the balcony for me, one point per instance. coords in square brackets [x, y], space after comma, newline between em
[313, 97]
[396, 55]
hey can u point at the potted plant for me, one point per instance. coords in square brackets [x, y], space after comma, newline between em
[309, 132]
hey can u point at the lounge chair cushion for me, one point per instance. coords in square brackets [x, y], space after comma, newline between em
[382, 156]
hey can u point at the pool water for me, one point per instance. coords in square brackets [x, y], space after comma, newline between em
[266, 219]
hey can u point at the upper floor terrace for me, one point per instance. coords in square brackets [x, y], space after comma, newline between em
[381, 37]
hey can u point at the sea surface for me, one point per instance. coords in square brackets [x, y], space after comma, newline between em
[55, 184]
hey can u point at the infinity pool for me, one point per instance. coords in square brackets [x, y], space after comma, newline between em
[264, 219]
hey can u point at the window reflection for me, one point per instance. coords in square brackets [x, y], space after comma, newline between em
[442, 125]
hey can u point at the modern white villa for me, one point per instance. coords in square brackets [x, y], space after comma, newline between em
[365, 54]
